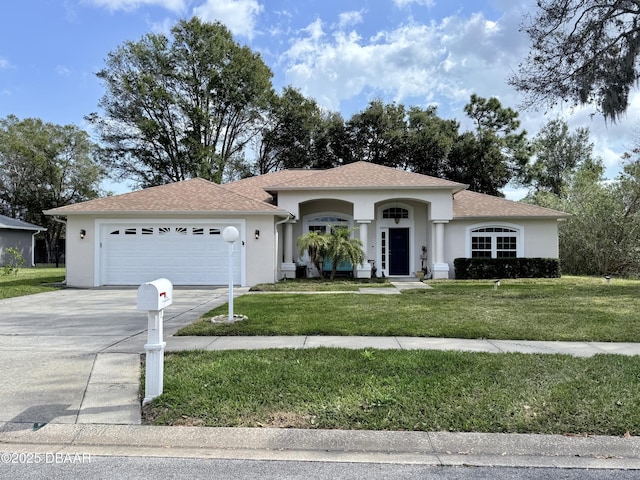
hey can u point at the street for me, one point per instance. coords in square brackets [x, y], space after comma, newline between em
[110, 468]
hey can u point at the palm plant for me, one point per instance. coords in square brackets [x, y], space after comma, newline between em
[340, 247]
[315, 244]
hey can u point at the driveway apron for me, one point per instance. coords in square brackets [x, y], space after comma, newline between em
[73, 356]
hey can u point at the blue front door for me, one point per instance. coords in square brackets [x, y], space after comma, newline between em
[398, 251]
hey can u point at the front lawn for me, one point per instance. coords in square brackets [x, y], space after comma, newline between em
[322, 285]
[569, 309]
[400, 390]
[29, 281]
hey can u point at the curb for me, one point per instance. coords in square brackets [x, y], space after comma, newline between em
[394, 447]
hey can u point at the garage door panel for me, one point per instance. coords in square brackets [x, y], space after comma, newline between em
[185, 254]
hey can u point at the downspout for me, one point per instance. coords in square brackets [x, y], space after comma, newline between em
[33, 247]
[275, 250]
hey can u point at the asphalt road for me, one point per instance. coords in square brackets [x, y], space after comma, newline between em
[125, 468]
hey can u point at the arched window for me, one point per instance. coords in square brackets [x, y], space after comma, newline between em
[395, 213]
[495, 241]
[322, 223]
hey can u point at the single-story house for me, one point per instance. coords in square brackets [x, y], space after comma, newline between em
[405, 221]
[17, 234]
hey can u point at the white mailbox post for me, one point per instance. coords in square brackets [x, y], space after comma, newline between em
[154, 297]
[230, 235]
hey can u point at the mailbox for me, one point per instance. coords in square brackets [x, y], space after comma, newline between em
[155, 295]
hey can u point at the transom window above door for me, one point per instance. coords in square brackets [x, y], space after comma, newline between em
[395, 213]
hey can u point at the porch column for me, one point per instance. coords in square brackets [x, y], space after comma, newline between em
[440, 269]
[364, 270]
[288, 267]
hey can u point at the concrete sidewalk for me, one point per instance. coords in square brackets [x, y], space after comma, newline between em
[578, 349]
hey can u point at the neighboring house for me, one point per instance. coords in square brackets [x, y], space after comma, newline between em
[17, 234]
[405, 220]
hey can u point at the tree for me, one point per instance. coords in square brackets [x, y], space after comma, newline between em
[45, 166]
[340, 247]
[582, 51]
[490, 157]
[292, 130]
[429, 141]
[181, 107]
[558, 152]
[377, 134]
[603, 233]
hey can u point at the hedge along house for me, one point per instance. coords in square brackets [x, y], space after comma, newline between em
[405, 221]
[20, 235]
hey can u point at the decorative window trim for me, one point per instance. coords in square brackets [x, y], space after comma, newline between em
[322, 221]
[489, 234]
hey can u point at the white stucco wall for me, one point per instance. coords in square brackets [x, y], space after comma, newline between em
[80, 253]
[540, 238]
[365, 201]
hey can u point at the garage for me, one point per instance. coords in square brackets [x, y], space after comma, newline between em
[185, 253]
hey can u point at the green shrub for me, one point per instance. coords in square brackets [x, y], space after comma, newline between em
[15, 261]
[482, 268]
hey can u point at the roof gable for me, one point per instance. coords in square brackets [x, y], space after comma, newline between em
[364, 175]
[467, 204]
[256, 187]
[189, 196]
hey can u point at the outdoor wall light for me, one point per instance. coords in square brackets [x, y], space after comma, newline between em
[83, 233]
[257, 233]
[396, 219]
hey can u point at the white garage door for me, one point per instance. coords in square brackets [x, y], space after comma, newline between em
[186, 254]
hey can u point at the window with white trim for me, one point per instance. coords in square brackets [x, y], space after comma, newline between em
[494, 242]
[323, 223]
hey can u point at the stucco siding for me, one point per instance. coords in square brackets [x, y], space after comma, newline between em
[539, 239]
[20, 239]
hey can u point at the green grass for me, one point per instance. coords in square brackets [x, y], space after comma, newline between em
[401, 390]
[322, 285]
[29, 281]
[568, 309]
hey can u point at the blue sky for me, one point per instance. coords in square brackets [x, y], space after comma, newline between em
[343, 53]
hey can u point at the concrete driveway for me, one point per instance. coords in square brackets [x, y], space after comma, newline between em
[73, 356]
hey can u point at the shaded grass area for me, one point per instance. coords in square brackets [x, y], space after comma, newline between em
[322, 285]
[569, 309]
[400, 390]
[29, 281]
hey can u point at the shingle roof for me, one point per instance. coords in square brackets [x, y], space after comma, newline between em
[189, 196]
[363, 175]
[9, 223]
[254, 187]
[467, 204]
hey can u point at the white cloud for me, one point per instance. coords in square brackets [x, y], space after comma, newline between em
[446, 61]
[129, 5]
[63, 71]
[347, 19]
[404, 3]
[4, 63]
[238, 15]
